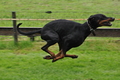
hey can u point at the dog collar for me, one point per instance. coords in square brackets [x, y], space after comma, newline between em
[91, 29]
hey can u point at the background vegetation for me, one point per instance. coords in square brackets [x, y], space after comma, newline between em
[62, 9]
[98, 57]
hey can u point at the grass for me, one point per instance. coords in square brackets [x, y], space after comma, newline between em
[32, 67]
[98, 57]
[98, 60]
[62, 9]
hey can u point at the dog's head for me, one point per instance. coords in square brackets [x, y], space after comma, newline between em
[100, 20]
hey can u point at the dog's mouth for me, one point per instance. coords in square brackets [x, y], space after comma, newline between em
[107, 22]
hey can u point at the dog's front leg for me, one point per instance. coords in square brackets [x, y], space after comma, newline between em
[72, 56]
[50, 57]
[60, 55]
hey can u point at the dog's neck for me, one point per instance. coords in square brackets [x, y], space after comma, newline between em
[91, 29]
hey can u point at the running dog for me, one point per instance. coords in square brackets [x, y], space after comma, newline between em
[68, 34]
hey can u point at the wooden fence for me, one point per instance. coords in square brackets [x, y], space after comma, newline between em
[101, 32]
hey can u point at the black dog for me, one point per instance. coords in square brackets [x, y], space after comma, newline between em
[68, 34]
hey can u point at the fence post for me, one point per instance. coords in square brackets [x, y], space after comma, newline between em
[14, 28]
[32, 38]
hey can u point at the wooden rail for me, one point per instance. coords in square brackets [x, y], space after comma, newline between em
[100, 32]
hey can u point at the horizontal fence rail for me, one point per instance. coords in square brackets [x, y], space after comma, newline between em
[100, 32]
[43, 19]
[39, 19]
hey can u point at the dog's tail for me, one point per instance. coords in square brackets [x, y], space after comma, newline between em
[27, 33]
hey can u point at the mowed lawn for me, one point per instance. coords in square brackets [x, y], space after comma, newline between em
[99, 58]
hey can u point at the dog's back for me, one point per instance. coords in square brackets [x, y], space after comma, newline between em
[61, 27]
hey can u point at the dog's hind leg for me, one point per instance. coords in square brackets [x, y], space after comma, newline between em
[51, 37]
[45, 48]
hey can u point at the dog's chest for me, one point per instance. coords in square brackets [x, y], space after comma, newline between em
[74, 39]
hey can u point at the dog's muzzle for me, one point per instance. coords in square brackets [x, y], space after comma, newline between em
[107, 22]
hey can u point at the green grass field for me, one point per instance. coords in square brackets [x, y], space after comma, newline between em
[99, 58]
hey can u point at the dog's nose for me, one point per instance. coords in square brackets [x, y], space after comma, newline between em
[112, 19]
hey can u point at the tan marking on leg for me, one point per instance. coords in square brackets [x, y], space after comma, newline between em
[58, 54]
[72, 56]
[62, 55]
[51, 53]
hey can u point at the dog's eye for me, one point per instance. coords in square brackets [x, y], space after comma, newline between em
[98, 20]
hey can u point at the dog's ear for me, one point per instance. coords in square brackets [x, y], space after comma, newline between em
[91, 18]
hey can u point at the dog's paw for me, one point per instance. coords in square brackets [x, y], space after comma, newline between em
[47, 57]
[75, 56]
[54, 60]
